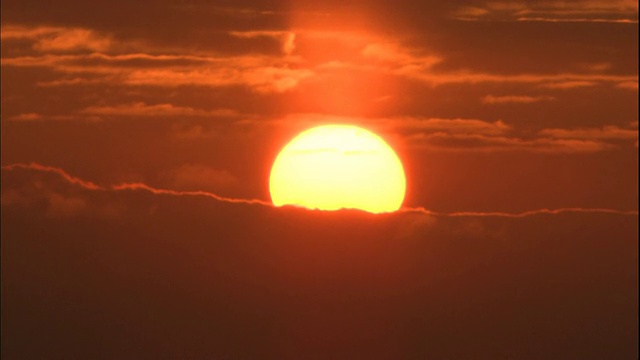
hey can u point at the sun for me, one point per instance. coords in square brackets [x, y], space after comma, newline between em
[332, 167]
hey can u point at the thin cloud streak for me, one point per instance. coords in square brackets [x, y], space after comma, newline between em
[43, 168]
[441, 141]
[593, 11]
[514, 99]
[88, 185]
[26, 117]
[58, 39]
[553, 81]
[521, 214]
[606, 132]
[156, 191]
[578, 20]
[629, 85]
[144, 187]
[286, 38]
[156, 110]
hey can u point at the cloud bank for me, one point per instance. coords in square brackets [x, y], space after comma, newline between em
[144, 272]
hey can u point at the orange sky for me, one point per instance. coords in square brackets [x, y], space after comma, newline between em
[494, 107]
[536, 102]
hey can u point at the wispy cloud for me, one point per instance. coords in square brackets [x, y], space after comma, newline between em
[506, 138]
[552, 81]
[606, 132]
[130, 110]
[58, 39]
[442, 141]
[156, 110]
[237, 12]
[286, 38]
[88, 185]
[51, 169]
[514, 99]
[401, 57]
[596, 11]
[596, 66]
[145, 187]
[569, 84]
[630, 85]
[449, 126]
[578, 20]
[537, 212]
[261, 73]
[56, 48]
[26, 117]
[264, 79]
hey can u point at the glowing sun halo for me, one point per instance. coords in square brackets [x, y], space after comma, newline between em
[331, 167]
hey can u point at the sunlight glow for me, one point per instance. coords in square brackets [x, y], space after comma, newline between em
[338, 166]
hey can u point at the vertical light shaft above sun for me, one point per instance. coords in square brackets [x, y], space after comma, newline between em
[332, 167]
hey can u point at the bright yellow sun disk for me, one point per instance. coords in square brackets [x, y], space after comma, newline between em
[338, 166]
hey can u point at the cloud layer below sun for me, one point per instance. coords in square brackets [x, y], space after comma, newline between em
[137, 265]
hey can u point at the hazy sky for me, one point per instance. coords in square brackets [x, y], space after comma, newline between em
[499, 111]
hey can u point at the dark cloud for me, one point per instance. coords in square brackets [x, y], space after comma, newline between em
[160, 275]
